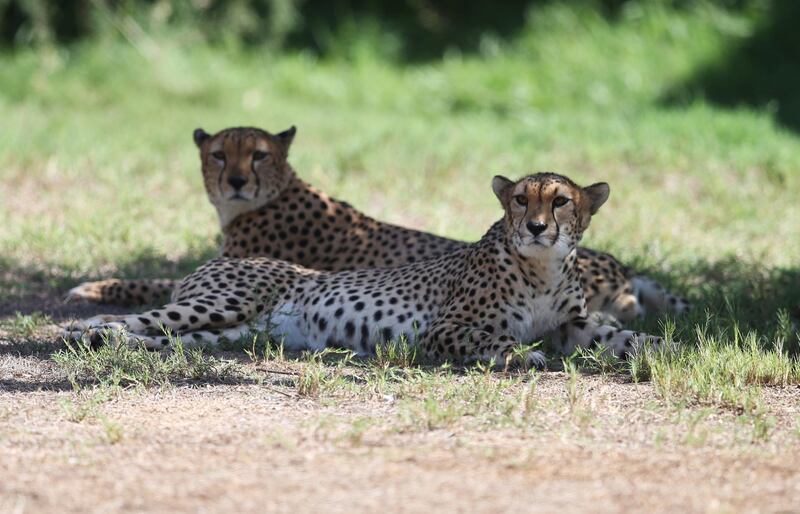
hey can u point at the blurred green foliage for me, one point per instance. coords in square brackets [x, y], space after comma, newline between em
[411, 29]
[760, 66]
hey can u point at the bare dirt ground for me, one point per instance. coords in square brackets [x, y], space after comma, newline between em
[604, 445]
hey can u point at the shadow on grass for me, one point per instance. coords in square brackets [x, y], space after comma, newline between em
[58, 384]
[727, 295]
[761, 70]
[28, 289]
[22, 386]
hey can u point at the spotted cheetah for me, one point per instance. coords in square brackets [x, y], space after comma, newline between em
[265, 209]
[479, 302]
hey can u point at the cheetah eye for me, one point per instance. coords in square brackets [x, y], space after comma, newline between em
[218, 155]
[258, 155]
[560, 201]
[521, 199]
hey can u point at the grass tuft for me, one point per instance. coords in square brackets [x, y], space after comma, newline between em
[118, 365]
[718, 371]
[24, 326]
[396, 353]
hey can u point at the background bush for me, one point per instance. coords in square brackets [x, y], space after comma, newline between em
[410, 28]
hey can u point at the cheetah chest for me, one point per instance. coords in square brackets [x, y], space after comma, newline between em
[533, 319]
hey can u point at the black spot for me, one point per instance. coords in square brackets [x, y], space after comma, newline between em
[174, 316]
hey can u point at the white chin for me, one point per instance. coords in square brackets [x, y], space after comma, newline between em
[532, 249]
[559, 248]
[230, 209]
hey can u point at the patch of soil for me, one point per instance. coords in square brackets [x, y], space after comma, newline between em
[246, 448]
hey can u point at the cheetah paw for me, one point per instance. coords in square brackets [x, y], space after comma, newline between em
[639, 341]
[536, 360]
[102, 320]
[97, 334]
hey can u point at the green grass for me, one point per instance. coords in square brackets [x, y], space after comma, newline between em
[98, 173]
[118, 365]
[719, 371]
[24, 326]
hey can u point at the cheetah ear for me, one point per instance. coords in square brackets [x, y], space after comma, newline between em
[598, 194]
[501, 186]
[200, 137]
[287, 136]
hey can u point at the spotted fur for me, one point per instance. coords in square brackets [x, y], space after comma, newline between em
[479, 302]
[265, 209]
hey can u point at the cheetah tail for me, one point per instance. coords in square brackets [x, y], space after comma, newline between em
[655, 299]
[123, 292]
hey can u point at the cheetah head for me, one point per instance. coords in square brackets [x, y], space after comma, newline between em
[547, 212]
[243, 168]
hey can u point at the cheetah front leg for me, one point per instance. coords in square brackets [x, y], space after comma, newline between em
[462, 343]
[585, 332]
[208, 313]
[116, 332]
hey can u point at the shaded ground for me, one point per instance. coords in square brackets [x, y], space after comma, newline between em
[28, 289]
[760, 70]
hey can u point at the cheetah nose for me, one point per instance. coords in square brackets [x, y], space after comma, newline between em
[237, 181]
[536, 227]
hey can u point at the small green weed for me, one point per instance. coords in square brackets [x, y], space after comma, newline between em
[599, 360]
[763, 425]
[258, 347]
[396, 353]
[577, 407]
[85, 405]
[317, 377]
[24, 326]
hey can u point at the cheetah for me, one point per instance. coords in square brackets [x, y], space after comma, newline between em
[519, 283]
[266, 210]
